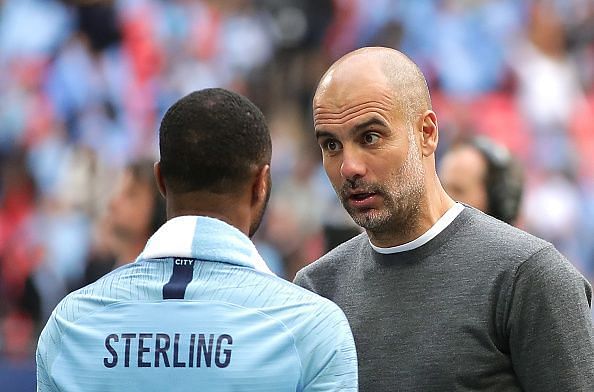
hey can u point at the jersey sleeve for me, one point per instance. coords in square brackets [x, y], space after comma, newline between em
[46, 346]
[43, 383]
[551, 339]
[327, 350]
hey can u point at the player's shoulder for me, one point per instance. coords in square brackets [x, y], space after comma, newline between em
[321, 335]
[93, 296]
[308, 311]
[300, 299]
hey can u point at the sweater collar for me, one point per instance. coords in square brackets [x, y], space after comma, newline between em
[203, 238]
[437, 228]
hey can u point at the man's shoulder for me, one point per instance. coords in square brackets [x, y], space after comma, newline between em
[73, 307]
[321, 275]
[291, 294]
[497, 247]
[347, 247]
[93, 296]
[498, 236]
[341, 256]
[304, 307]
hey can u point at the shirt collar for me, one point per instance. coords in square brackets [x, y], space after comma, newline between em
[437, 228]
[203, 238]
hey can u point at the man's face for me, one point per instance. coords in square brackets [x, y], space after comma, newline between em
[130, 208]
[462, 173]
[369, 152]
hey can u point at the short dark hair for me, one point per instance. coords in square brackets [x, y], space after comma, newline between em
[210, 140]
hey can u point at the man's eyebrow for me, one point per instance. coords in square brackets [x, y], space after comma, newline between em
[321, 133]
[370, 122]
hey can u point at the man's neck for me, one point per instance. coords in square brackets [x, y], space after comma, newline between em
[416, 223]
[227, 208]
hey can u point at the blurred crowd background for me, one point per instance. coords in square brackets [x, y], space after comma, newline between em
[84, 84]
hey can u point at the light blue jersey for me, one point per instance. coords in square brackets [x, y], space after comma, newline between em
[197, 311]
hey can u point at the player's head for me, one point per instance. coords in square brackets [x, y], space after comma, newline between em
[378, 134]
[216, 143]
[484, 175]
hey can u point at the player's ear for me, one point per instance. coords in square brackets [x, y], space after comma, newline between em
[429, 133]
[261, 185]
[159, 179]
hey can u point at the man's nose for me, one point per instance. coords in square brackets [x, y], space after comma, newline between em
[353, 165]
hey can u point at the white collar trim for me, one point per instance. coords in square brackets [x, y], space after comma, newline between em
[203, 238]
[437, 228]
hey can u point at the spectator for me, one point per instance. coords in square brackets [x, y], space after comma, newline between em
[484, 175]
[135, 211]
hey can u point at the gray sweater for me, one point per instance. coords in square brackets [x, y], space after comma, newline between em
[483, 306]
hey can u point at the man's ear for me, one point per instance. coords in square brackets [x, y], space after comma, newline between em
[159, 178]
[429, 133]
[261, 185]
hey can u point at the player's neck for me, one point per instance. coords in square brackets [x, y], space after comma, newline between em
[225, 207]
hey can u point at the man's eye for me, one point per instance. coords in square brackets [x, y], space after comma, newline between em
[331, 145]
[371, 138]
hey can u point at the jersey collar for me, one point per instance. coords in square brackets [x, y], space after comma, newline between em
[203, 238]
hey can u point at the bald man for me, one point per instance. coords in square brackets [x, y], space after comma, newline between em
[440, 296]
